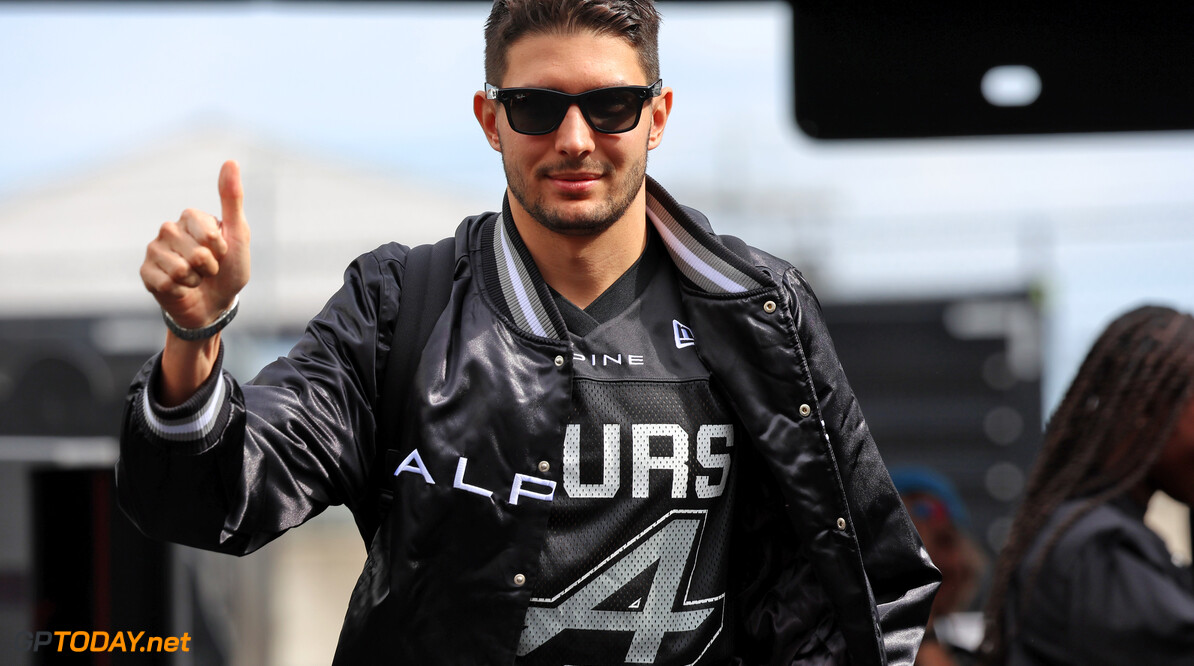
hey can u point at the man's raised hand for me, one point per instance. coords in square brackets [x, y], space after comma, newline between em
[197, 265]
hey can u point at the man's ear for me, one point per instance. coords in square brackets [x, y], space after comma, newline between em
[486, 112]
[661, 108]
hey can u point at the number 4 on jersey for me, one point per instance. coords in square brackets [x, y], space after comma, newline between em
[585, 604]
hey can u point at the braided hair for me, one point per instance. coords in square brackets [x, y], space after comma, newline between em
[1102, 441]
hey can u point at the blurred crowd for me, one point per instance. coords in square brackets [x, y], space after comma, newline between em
[1081, 579]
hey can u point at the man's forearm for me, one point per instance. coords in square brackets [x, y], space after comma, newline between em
[186, 364]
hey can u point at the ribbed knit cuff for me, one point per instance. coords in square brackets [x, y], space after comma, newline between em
[198, 420]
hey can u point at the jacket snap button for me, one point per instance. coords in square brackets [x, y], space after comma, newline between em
[520, 580]
[559, 361]
[805, 410]
[841, 525]
[544, 466]
[769, 307]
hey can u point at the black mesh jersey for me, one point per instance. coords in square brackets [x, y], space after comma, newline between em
[636, 557]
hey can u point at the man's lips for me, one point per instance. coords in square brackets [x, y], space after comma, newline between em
[586, 175]
[574, 182]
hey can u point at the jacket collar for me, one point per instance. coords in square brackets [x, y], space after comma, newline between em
[514, 284]
[699, 254]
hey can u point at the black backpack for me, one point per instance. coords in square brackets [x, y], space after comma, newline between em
[426, 287]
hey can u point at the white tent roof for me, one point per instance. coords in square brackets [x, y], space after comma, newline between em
[75, 247]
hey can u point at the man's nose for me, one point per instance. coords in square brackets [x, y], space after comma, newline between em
[574, 136]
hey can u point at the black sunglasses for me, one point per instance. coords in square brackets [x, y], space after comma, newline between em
[607, 110]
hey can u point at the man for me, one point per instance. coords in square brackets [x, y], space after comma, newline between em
[624, 441]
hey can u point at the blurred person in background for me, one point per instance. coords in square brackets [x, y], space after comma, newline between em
[628, 440]
[1082, 580]
[943, 523]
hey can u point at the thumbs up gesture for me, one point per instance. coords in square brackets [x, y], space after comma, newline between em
[197, 265]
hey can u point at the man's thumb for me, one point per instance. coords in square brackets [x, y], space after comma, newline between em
[232, 197]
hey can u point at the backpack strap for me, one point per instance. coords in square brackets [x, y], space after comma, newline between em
[426, 288]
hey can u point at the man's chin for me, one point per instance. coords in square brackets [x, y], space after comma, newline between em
[577, 228]
[574, 220]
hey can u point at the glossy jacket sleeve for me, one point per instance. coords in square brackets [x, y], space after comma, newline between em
[254, 460]
[901, 577]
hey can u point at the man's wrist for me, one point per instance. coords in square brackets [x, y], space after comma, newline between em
[205, 332]
[185, 366]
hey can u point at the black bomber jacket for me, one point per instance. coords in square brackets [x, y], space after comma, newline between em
[825, 560]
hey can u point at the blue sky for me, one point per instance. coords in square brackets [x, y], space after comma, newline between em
[390, 85]
[88, 82]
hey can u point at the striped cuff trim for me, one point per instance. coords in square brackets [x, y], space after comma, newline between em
[190, 427]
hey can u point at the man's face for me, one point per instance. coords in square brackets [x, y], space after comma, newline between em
[574, 181]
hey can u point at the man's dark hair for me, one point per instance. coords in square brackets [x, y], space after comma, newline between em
[636, 21]
[1104, 438]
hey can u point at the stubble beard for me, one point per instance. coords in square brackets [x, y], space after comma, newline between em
[595, 221]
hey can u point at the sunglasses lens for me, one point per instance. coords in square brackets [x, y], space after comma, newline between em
[535, 112]
[609, 110]
[613, 110]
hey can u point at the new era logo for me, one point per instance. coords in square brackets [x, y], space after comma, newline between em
[683, 334]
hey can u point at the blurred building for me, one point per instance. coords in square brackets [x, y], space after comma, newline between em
[75, 246]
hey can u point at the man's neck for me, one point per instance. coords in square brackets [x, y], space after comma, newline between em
[581, 268]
